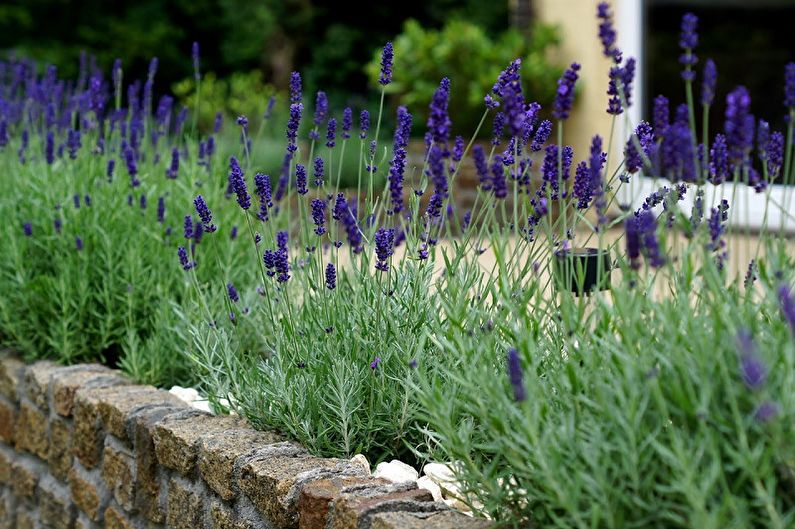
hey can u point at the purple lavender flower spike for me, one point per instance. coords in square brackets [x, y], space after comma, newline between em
[438, 120]
[321, 109]
[499, 183]
[182, 253]
[161, 209]
[173, 169]
[397, 166]
[633, 242]
[564, 98]
[710, 79]
[188, 227]
[300, 179]
[767, 411]
[195, 56]
[375, 363]
[581, 189]
[296, 109]
[347, 123]
[515, 376]
[645, 137]
[499, 126]
[27, 229]
[384, 247]
[364, 124]
[78, 244]
[295, 88]
[234, 297]
[387, 56]
[49, 148]
[219, 121]
[319, 215]
[541, 136]
[205, 214]
[787, 302]
[688, 40]
[607, 33]
[318, 171]
[331, 133]
[481, 165]
[752, 367]
[661, 114]
[237, 182]
[775, 154]
[458, 148]
[718, 160]
[331, 277]
[739, 124]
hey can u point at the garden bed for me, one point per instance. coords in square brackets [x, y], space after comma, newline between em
[83, 445]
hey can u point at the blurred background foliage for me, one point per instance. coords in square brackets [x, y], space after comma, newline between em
[249, 48]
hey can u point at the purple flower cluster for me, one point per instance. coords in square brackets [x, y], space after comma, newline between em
[204, 213]
[641, 234]
[397, 166]
[708, 83]
[564, 97]
[752, 368]
[319, 215]
[607, 33]
[384, 247]
[739, 124]
[644, 136]
[262, 188]
[237, 183]
[331, 277]
[515, 376]
[277, 261]
[438, 119]
[387, 57]
[688, 40]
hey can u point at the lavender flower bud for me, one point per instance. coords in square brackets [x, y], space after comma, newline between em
[787, 305]
[347, 123]
[541, 136]
[384, 247]
[364, 124]
[752, 368]
[775, 154]
[300, 179]
[789, 85]
[319, 215]
[607, 33]
[205, 214]
[182, 253]
[321, 109]
[481, 165]
[173, 170]
[661, 114]
[515, 376]
[439, 122]
[234, 297]
[564, 98]
[710, 79]
[237, 182]
[331, 277]
[319, 172]
[188, 227]
[331, 133]
[688, 40]
[386, 65]
[27, 229]
[161, 209]
[295, 88]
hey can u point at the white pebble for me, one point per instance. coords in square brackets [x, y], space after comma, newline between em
[184, 394]
[396, 472]
[427, 483]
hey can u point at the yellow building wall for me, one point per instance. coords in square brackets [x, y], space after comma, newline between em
[580, 43]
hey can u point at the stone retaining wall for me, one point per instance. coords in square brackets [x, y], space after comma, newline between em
[82, 447]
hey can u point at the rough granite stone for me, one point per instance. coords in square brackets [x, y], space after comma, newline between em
[222, 517]
[273, 482]
[118, 472]
[6, 511]
[117, 408]
[8, 419]
[67, 380]
[354, 510]
[37, 383]
[60, 453]
[440, 520]
[149, 496]
[88, 437]
[25, 520]
[219, 451]
[11, 374]
[87, 492]
[56, 509]
[25, 474]
[315, 497]
[7, 457]
[31, 435]
[114, 519]
[177, 437]
[185, 504]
